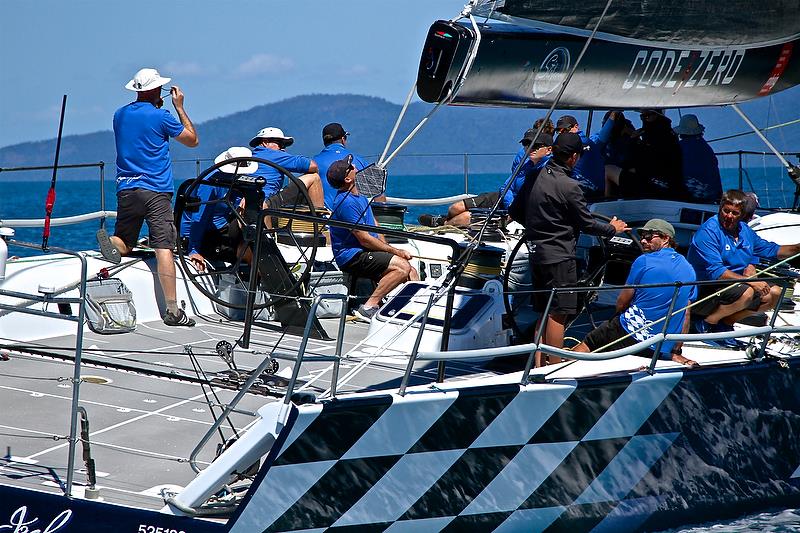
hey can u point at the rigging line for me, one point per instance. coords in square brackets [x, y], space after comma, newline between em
[556, 100]
[762, 130]
[693, 304]
[465, 69]
[198, 370]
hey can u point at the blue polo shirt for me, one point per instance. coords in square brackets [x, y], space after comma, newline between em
[195, 225]
[590, 170]
[700, 170]
[353, 208]
[650, 305]
[324, 159]
[713, 250]
[528, 169]
[296, 164]
[141, 135]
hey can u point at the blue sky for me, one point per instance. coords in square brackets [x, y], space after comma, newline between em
[227, 56]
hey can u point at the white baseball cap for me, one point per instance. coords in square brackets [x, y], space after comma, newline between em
[241, 167]
[271, 133]
[146, 79]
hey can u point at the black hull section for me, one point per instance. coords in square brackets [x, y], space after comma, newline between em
[616, 453]
[522, 67]
[27, 511]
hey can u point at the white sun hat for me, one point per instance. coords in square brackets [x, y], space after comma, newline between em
[241, 167]
[146, 79]
[271, 133]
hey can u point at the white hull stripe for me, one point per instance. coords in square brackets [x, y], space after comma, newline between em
[629, 515]
[400, 487]
[627, 468]
[523, 417]
[305, 417]
[523, 475]
[415, 526]
[286, 485]
[400, 426]
[634, 407]
[530, 520]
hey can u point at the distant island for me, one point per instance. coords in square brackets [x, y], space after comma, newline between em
[490, 135]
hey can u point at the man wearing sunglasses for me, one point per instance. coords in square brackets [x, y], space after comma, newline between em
[270, 144]
[360, 252]
[641, 313]
[144, 179]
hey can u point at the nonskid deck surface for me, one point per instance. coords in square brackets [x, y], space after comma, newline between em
[144, 424]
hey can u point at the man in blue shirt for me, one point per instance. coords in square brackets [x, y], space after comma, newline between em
[270, 144]
[725, 248]
[458, 214]
[641, 312]
[359, 252]
[701, 177]
[212, 232]
[334, 137]
[144, 179]
[590, 172]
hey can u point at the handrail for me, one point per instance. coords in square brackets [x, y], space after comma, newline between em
[61, 221]
[76, 377]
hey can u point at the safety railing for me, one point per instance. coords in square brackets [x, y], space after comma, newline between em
[51, 299]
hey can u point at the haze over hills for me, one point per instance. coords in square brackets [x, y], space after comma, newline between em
[452, 130]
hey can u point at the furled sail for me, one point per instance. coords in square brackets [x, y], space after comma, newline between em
[519, 62]
[678, 22]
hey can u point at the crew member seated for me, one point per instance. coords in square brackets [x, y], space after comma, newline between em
[211, 232]
[270, 144]
[725, 248]
[641, 312]
[361, 253]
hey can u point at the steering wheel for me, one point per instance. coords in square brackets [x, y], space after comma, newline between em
[512, 255]
[233, 189]
[632, 233]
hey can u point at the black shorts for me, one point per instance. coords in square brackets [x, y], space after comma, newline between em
[608, 332]
[135, 206]
[484, 200]
[563, 274]
[289, 195]
[730, 295]
[371, 265]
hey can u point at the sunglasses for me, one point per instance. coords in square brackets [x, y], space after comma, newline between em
[647, 235]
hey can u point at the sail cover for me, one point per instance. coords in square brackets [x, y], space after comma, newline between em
[676, 22]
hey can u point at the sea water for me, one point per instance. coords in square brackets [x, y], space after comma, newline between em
[26, 200]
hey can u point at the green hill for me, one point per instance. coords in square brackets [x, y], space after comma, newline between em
[454, 131]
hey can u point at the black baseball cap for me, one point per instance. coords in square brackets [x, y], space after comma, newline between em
[566, 122]
[333, 131]
[544, 139]
[338, 170]
[567, 144]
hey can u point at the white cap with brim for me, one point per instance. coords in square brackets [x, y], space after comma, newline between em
[271, 133]
[239, 168]
[146, 79]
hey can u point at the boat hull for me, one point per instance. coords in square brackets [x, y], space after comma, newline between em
[615, 453]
